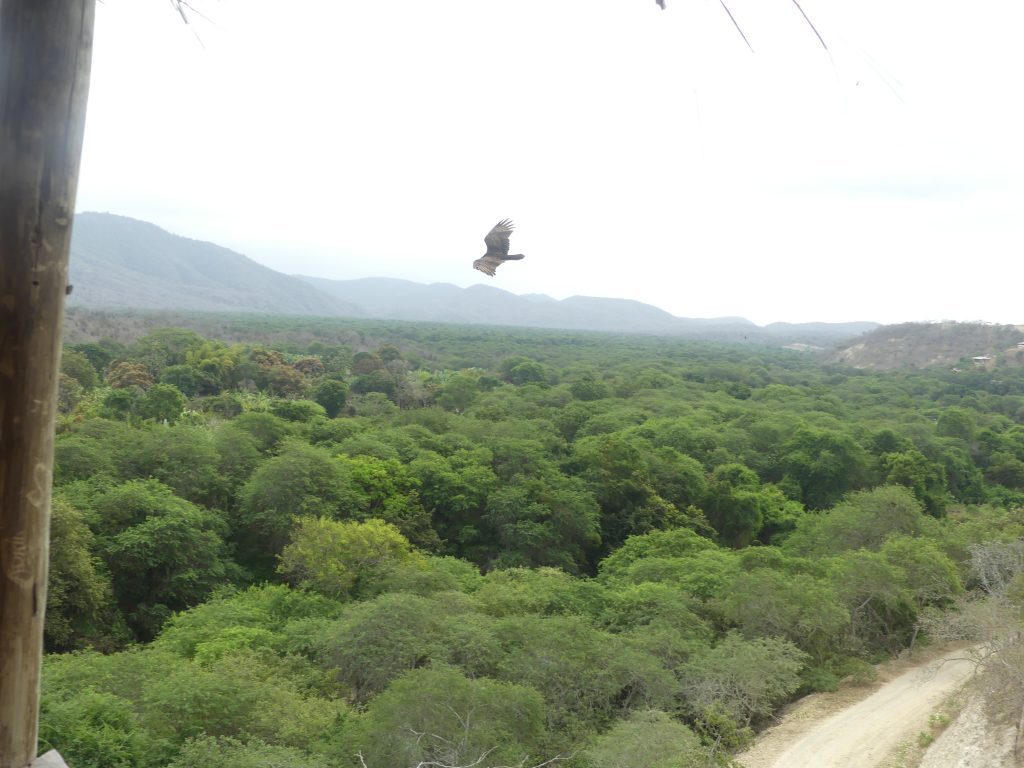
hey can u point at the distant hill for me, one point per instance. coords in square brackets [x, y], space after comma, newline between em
[820, 334]
[118, 262]
[443, 302]
[927, 345]
[395, 299]
[122, 262]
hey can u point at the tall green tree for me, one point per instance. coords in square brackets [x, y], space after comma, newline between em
[79, 596]
[162, 402]
[332, 395]
[825, 465]
[745, 678]
[300, 481]
[438, 716]
[648, 739]
[333, 557]
[864, 519]
[163, 553]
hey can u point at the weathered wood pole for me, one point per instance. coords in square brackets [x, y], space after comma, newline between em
[45, 55]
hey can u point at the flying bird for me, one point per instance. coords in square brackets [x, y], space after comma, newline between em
[497, 249]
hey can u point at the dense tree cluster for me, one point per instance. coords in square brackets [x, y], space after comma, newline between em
[451, 545]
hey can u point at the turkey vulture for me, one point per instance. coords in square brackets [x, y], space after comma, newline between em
[497, 249]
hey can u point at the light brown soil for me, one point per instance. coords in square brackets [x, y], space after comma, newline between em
[859, 726]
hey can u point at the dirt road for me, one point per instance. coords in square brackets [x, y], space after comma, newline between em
[863, 733]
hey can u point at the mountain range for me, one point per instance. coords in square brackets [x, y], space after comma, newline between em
[118, 262]
[122, 262]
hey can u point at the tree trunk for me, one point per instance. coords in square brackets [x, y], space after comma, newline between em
[45, 53]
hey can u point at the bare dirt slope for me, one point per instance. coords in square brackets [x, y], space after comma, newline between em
[848, 730]
[924, 345]
[973, 742]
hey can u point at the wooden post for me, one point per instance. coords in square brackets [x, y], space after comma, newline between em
[45, 55]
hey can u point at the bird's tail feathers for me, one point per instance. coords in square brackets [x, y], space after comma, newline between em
[515, 257]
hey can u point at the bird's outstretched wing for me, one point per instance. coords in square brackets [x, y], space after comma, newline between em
[497, 239]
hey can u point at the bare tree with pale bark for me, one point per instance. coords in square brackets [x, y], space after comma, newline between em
[990, 622]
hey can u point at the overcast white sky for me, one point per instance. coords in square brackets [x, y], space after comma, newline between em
[643, 154]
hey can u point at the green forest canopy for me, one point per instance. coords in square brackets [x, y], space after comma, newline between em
[331, 546]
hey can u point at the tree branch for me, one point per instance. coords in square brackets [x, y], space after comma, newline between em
[810, 24]
[736, 24]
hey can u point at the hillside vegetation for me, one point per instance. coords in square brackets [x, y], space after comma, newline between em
[931, 345]
[384, 546]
